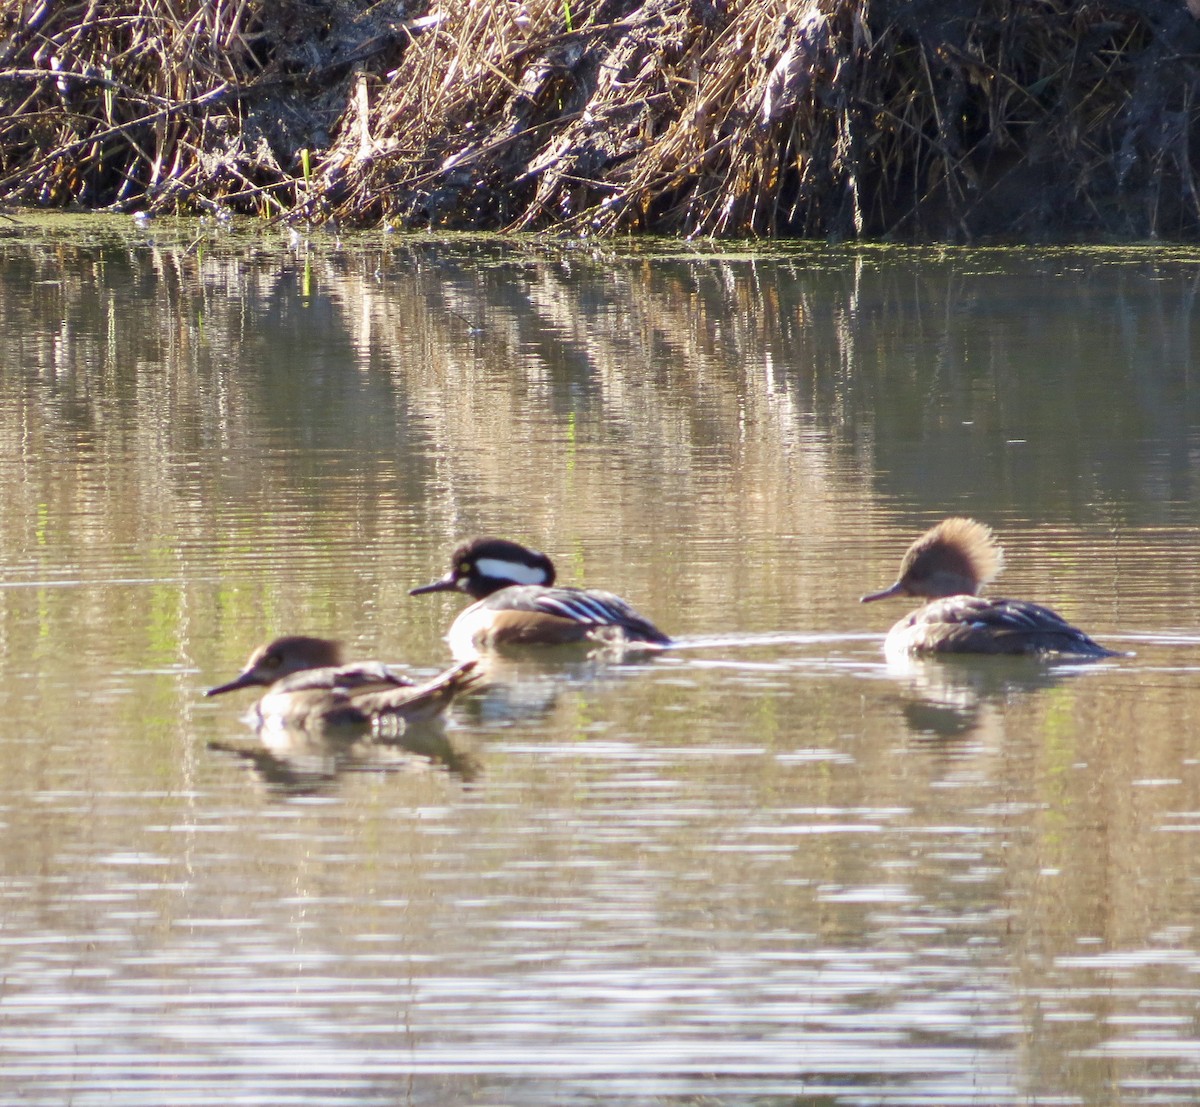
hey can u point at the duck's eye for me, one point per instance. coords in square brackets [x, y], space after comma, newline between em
[464, 568]
[271, 661]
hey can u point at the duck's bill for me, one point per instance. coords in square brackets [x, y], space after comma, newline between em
[244, 681]
[895, 590]
[446, 584]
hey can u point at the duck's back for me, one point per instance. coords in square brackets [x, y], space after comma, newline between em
[973, 624]
[531, 614]
[358, 678]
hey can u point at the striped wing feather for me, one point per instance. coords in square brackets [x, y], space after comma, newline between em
[971, 624]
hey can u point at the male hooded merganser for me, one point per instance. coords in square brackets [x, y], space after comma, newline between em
[948, 565]
[308, 685]
[518, 604]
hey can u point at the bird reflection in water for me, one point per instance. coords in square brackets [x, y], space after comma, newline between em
[956, 704]
[320, 717]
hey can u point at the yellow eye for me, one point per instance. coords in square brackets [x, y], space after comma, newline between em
[464, 567]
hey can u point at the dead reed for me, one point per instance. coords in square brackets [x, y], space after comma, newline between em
[914, 118]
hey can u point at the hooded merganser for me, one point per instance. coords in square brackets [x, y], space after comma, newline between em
[948, 565]
[308, 685]
[518, 604]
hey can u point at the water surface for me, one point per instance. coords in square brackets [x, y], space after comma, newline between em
[764, 868]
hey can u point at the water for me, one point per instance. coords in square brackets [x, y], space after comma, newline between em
[766, 868]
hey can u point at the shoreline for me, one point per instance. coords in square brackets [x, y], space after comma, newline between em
[935, 122]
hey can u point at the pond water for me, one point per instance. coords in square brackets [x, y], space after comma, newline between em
[764, 868]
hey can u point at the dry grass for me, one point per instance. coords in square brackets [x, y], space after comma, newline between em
[919, 118]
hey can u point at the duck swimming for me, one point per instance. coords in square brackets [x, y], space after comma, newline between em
[518, 604]
[948, 565]
[309, 685]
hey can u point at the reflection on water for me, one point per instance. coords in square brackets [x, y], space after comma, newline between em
[299, 760]
[952, 697]
[766, 865]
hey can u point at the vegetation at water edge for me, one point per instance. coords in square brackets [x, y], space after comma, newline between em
[916, 119]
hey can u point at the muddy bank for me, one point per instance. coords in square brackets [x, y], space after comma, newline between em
[923, 119]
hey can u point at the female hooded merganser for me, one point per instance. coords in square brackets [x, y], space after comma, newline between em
[518, 604]
[309, 686]
[948, 565]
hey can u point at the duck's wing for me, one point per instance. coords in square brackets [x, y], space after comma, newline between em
[973, 624]
[361, 677]
[420, 702]
[594, 609]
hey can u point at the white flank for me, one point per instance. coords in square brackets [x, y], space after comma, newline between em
[464, 631]
[499, 569]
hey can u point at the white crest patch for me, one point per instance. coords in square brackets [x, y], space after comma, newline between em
[499, 569]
